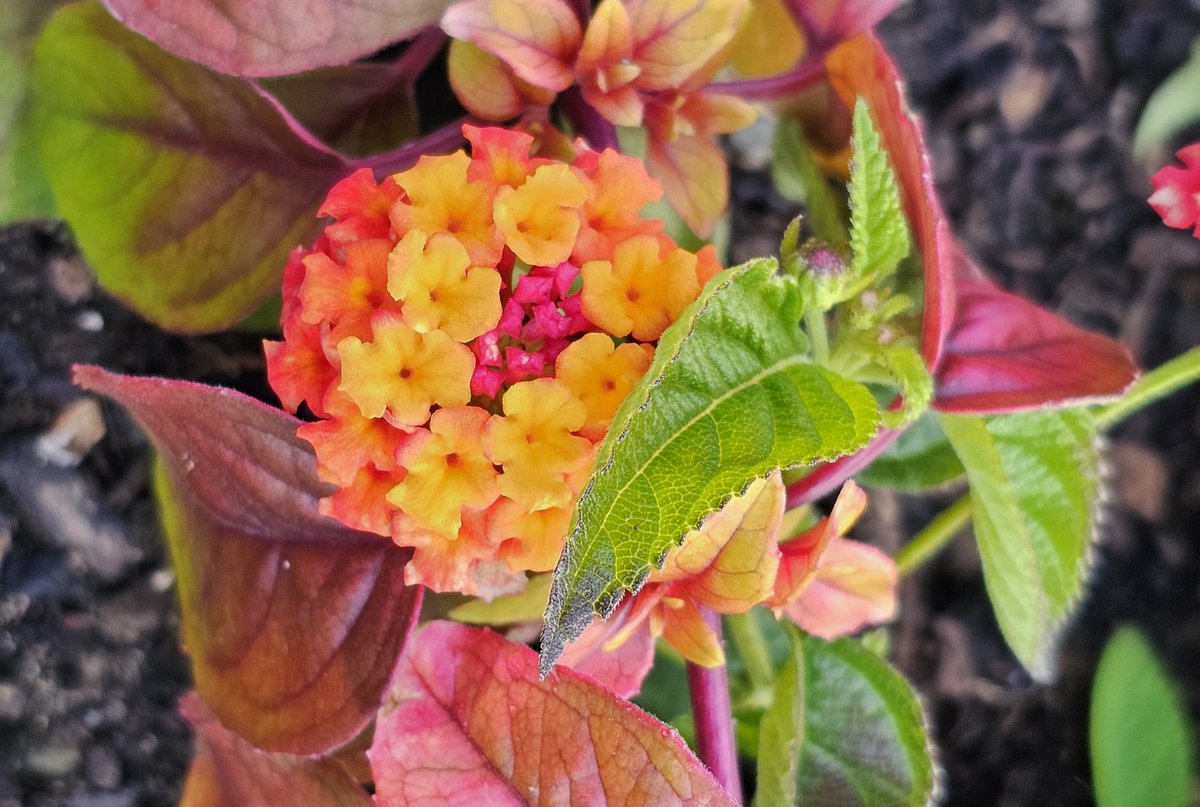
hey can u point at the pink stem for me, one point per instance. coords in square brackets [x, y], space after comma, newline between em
[589, 124]
[805, 74]
[438, 141]
[709, 690]
[829, 477]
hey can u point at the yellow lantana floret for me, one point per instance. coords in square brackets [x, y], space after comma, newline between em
[402, 373]
[641, 291]
[447, 471]
[441, 199]
[541, 218]
[536, 444]
[433, 277]
[601, 374]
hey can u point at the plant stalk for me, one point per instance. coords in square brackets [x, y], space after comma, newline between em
[713, 713]
[935, 537]
[1160, 382]
[747, 637]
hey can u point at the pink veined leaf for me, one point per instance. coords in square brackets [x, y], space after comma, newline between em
[185, 189]
[227, 770]
[831, 20]
[538, 39]
[694, 177]
[293, 621]
[468, 722]
[990, 351]
[275, 37]
[674, 39]
[1005, 354]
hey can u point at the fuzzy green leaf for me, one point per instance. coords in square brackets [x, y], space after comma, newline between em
[731, 395]
[844, 729]
[920, 459]
[185, 189]
[1142, 750]
[1035, 488]
[878, 232]
[906, 367]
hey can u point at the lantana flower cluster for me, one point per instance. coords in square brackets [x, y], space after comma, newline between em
[464, 332]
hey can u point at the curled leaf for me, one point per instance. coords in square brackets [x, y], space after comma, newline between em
[293, 621]
[228, 770]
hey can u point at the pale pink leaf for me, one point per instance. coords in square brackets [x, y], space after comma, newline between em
[275, 37]
[467, 722]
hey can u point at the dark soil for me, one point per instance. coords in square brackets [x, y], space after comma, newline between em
[1030, 109]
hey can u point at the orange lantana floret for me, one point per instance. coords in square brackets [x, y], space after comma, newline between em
[462, 371]
[541, 218]
[447, 471]
[642, 290]
[441, 198]
[402, 373]
[600, 374]
[440, 289]
[348, 295]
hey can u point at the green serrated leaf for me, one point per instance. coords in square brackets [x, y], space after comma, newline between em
[798, 178]
[844, 729]
[1141, 746]
[731, 395]
[1035, 489]
[879, 237]
[920, 459]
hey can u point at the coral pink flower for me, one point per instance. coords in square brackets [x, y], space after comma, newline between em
[1177, 191]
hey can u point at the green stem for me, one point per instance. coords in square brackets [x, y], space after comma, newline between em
[1158, 383]
[814, 320]
[752, 647]
[931, 540]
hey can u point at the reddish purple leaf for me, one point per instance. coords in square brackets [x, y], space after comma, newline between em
[293, 621]
[860, 67]
[1005, 354]
[828, 21]
[990, 351]
[227, 770]
[275, 37]
[468, 722]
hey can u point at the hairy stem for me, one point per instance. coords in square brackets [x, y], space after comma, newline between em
[1158, 383]
[713, 713]
[935, 537]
